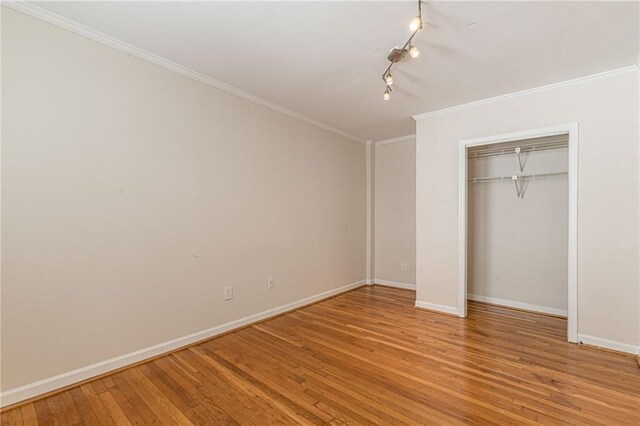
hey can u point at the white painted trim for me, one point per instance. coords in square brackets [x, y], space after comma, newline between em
[50, 384]
[369, 210]
[572, 253]
[396, 284]
[394, 140]
[609, 344]
[568, 83]
[572, 248]
[517, 305]
[70, 25]
[462, 230]
[438, 308]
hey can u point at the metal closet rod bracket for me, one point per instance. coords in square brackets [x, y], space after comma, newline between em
[517, 150]
[519, 188]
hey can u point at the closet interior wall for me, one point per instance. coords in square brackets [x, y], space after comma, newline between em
[517, 246]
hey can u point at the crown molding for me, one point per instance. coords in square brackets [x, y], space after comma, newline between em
[568, 83]
[67, 24]
[394, 140]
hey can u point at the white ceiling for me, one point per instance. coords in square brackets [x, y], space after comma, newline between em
[325, 59]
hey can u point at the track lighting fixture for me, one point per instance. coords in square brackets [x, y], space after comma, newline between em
[399, 53]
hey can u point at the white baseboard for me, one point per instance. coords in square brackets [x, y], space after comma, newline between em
[589, 340]
[396, 284]
[609, 344]
[452, 310]
[50, 384]
[517, 305]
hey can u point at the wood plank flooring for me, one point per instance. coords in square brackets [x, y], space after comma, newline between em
[366, 357]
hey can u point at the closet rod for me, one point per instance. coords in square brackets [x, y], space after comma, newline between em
[489, 152]
[515, 177]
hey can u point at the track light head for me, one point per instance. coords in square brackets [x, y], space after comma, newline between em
[414, 52]
[389, 79]
[387, 94]
[415, 24]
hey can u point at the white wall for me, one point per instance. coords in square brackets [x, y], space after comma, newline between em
[132, 195]
[608, 256]
[395, 211]
[517, 247]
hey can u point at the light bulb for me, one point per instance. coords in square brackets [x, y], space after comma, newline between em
[389, 79]
[414, 52]
[386, 95]
[415, 24]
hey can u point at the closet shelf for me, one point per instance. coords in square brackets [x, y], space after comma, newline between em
[521, 149]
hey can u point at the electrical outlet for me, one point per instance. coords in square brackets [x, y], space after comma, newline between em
[228, 293]
[404, 266]
[270, 282]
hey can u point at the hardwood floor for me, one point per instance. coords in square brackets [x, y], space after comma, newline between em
[366, 357]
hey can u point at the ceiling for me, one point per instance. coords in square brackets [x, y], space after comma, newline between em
[325, 59]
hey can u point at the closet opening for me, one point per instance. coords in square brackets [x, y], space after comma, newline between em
[517, 224]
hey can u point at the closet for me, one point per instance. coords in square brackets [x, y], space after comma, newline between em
[517, 224]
